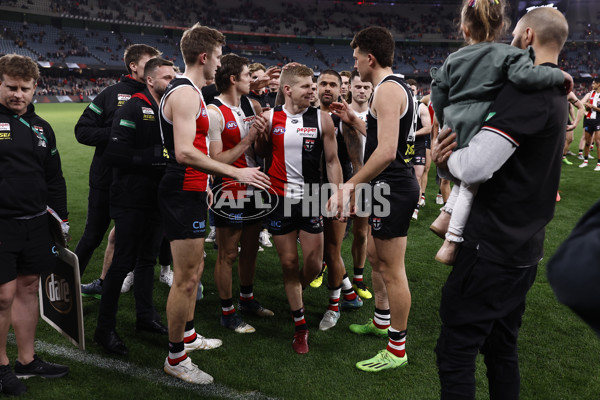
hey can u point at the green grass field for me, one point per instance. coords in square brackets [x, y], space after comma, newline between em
[559, 355]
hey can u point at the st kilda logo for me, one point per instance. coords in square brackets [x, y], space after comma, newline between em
[309, 144]
[59, 293]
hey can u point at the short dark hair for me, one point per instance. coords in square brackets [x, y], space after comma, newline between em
[135, 52]
[17, 66]
[231, 64]
[197, 40]
[153, 64]
[332, 72]
[377, 41]
[411, 82]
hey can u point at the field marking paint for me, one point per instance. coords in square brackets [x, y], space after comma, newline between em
[150, 374]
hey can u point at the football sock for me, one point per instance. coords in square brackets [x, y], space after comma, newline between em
[382, 318]
[176, 353]
[349, 293]
[299, 320]
[246, 293]
[334, 298]
[190, 333]
[358, 274]
[227, 308]
[397, 342]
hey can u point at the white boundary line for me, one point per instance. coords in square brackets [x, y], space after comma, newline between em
[150, 374]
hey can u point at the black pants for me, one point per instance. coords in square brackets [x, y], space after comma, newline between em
[96, 224]
[481, 310]
[137, 243]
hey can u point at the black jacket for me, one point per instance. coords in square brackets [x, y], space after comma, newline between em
[135, 152]
[30, 169]
[94, 126]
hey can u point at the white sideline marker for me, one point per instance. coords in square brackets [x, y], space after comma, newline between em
[150, 374]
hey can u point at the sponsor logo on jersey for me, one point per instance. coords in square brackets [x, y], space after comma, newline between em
[123, 97]
[5, 126]
[279, 130]
[147, 110]
[294, 121]
[231, 125]
[308, 132]
[5, 136]
[309, 144]
[249, 120]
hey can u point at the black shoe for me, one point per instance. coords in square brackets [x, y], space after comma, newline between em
[9, 382]
[111, 342]
[92, 289]
[154, 326]
[39, 367]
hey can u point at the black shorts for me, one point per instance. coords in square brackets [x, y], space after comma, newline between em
[420, 151]
[591, 125]
[237, 213]
[183, 213]
[287, 217]
[428, 142]
[393, 218]
[26, 247]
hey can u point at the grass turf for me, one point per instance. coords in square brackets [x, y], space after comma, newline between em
[558, 353]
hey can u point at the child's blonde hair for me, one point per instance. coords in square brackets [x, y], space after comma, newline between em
[486, 19]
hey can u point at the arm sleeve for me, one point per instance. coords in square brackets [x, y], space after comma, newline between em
[91, 129]
[57, 187]
[486, 153]
[439, 92]
[121, 150]
[527, 76]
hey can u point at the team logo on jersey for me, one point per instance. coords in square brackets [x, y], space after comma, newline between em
[231, 125]
[376, 223]
[39, 132]
[309, 144]
[308, 132]
[123, 97]
[279, 130]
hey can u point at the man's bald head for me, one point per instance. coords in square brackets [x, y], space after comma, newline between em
[550, 27]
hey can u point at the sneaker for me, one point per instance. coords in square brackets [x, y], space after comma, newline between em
[92, 289]
[318, 281]
[361, 289]
[415, 215]
[351, 304]
[570, 153]
[330, 318]
[39, 367]
[368, 329]
[580, 156]
[597, 167]
[300, 342]
[382, 361]
[187, 371]
[127, 283]
[212, 235]
[166, 277]
[200, 292]
[9, 383]
[202, 343]
[263, 238]
[590, 157]
[583, 164]
[204, 256]
[566, 162]
[260, 248]
[235, 323]
[254, 307]
[422, 201]
[439, 199]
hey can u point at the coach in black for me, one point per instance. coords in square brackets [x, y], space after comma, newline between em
[93, 129]
[135, 151]
[521, 144]
[30, 180]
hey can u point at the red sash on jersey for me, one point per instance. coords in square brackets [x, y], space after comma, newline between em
[594, 101]
[195, 180]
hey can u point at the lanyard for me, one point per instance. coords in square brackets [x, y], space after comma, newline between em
[37, 132]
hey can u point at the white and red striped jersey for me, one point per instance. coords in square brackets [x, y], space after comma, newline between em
[297, 151]
[594, 99]
[236, 124]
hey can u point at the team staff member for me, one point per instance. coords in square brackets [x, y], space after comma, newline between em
[388, 151]
[30, 180]
[93, 129]
[483, 299]
[234, 123]
[297, 137]
[135, 153]
[182, 193]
